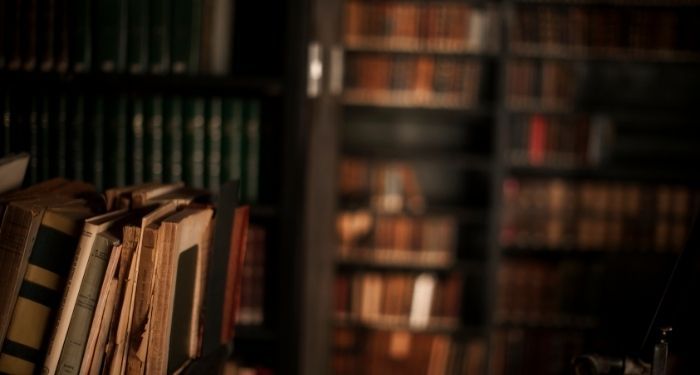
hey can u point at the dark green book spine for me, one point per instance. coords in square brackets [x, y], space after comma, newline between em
[34, 140]
[77, 149]
[61, 36]
[159, 36]
[115, 141]
[13, 56]
[186, 31]
[172, 146]
[95, 138]
[61, 137]
[194, 142]
[46, 29]
[111, 25]
[213, 145]
[81, 35]
[252, 151]
[153, 139]
[232, 140]
[6, 115]
[44, 138]
[137, 43]
[137, 139]
[28, 32]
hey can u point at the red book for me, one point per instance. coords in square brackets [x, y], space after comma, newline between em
[538, 140]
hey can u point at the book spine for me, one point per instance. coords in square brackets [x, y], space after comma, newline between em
[39, 294]
[194, 143]
[46, 36]
[81, 35]
[6, 116]
[159, 36]
[153, 139]
[252, 152]
[13, 21]
[29, 30]
[77, 150]
[232, 140]
[110, 46]
[44, 139]
[138, 36]
[68, 303]
[137, 142]
[213, 145]
[220, 36]
[61, 39]
[116, 143]
[90, 286]
[96, 138]
[34, 140]
[185, 34]
[61, 137]
[172, 146]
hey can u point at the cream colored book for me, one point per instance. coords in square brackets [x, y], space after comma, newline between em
[92, 227]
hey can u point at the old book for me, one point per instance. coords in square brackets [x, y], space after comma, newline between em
[94, 155]
[422, 300]
[118, 361]
[80, 322]
[232, 139]
[221, 37]
[120, 197]
[110, 33]
[194, 137]
[159, 36]
[153, 139]
[215, 293]
[186, 31]
[115, 141]
[81, 35]
[172, 140]
[213, 145]
[13, 168]
[136, 134]
[175, 315]
[252, 152]
[137, 36]
[38, 297]
[91, 229]
[28, 32]
[236, 258]
[148, 192]
[77, 129]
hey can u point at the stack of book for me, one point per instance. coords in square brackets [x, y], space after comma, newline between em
[595, 215]
[407, 25]
[114, 140]
[400, 352]
[159, 37]
[140, 279]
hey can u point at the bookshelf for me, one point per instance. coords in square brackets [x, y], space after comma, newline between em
[568, 92]
[127, 65]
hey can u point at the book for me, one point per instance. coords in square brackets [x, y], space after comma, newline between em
[110, 35]
[172, 140]
[137, 36]
[136, 134]
[115, 141]
[91, 228]
[176, 279]
[251, 149]
[194, 143]
[232, 139]
[38, 297]
[13, 168]
[153, 140]
[159, 36]
[213, 144]
[81, 38]
[234, 275]
[186, 36]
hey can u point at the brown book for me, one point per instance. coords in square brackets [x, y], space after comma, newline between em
[234, 275]
[174, 315]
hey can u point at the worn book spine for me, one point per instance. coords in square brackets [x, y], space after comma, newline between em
[232, 140]
[110, 46]
[77, 150]
[220, 37]
[153, 140]
[46, 36]
[252, 152]
[39, 295]
[186, 16]
[213, 145]
[78, 331]
[28, 32]
[159, 36]
[61, 38]
[137, 42]
[136, 135]
[13, 57]
[172, 145]
[194, 143]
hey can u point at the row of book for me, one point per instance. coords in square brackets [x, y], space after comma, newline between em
[410, 25]
[531, 292]
[407, 80]
[393, 187]
[555, 141]
[601, 215]
[156, 36]
[115, 140]
[599, 30]
[415, 300]
[252, 301]
[546, 352]
[140, 279]
[399, 238]
[403, 352]
[547, 84]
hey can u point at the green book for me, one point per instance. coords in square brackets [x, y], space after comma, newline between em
[60, 138]
[111, 25]
[34, 140]
[159, 36]
[80, 321]
[94, 137]
[186, 31]
[81, 35]
[172, 145]
[62, 35]
[194, 142]
[213, 145]
[251, 147]
[44, 136]
[137, 42]
[232, 139]
[41, 288]
[115, 141]
[77, 131]
[28, 32]
[153, 140]
[46, 18]
[137, 139]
